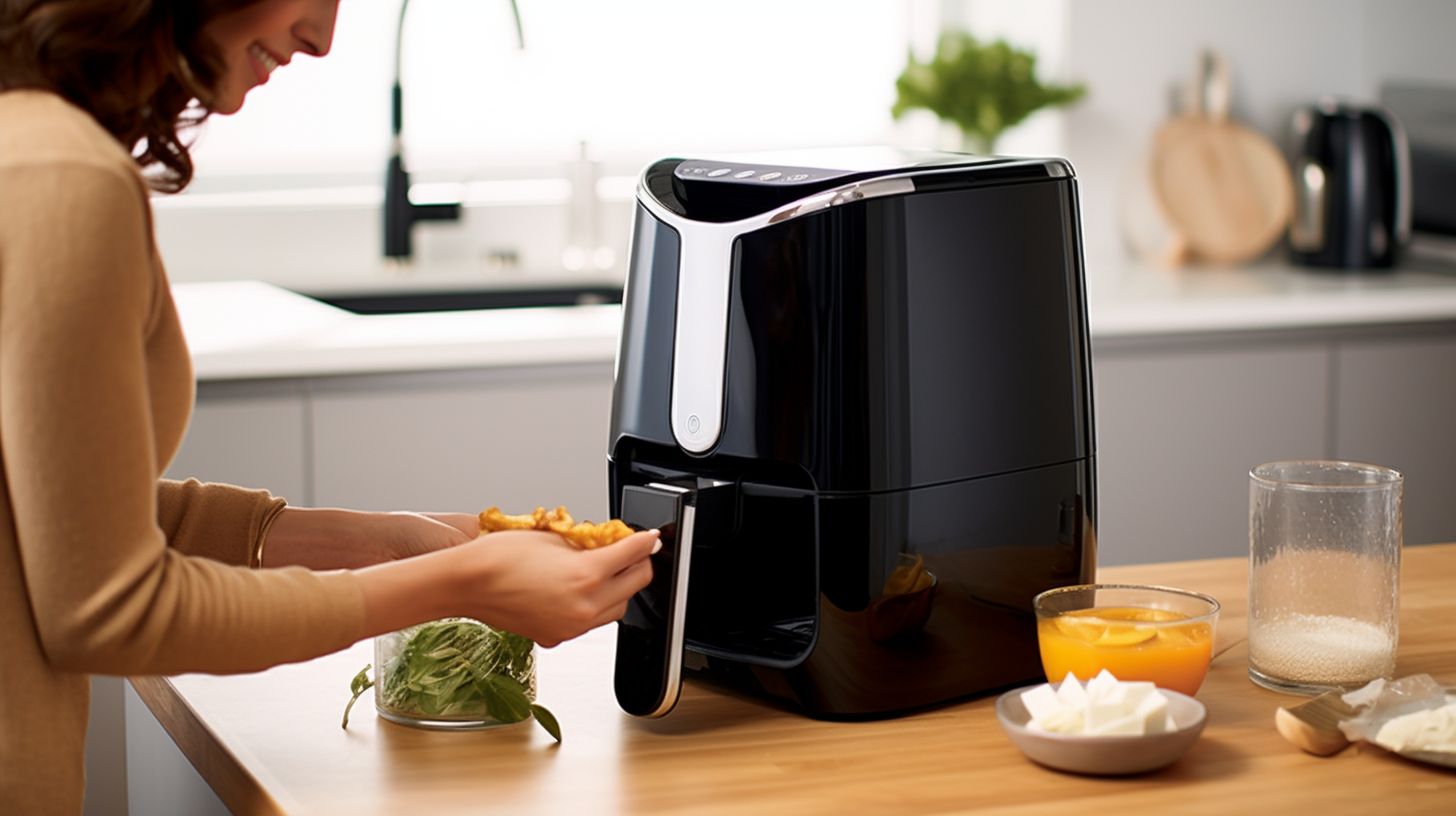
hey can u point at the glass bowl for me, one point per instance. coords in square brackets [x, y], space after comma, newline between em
[454, 673]
[1158, 634]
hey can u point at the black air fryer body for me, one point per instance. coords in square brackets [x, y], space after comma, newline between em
[885, 355]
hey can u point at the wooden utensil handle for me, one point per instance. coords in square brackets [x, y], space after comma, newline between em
[1212, 91]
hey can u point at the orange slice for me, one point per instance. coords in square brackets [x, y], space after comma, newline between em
[1087, 631]
[1126, 635]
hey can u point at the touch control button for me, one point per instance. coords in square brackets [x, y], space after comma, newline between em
[721, 171]
[744, 173]
[694, 424]
[769, 176]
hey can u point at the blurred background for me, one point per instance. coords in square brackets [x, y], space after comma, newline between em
[542, 144]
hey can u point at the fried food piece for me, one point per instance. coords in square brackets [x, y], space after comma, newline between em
[583, 535]
[588, 536]
[493, 520]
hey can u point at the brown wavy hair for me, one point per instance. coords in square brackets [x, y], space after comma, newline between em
[141, 68]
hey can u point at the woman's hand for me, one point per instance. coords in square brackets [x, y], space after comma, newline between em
[537, 585]
[326, 538]
[528, 582]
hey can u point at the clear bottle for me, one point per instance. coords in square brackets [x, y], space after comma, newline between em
[454, 673]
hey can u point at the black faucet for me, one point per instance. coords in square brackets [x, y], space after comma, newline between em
[400, 213]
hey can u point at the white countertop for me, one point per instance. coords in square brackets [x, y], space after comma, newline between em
[1272, 296]
[252, 330]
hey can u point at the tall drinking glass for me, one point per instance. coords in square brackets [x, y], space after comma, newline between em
[1324, 574]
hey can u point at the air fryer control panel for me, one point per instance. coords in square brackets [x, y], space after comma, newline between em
[699, 170]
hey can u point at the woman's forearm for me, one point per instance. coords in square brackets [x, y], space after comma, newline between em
[404, 593]
[327, 538]
[323, 539]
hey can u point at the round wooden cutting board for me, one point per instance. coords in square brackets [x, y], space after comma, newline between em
[1225, 188]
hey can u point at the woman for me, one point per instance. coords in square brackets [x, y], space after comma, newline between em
[104, 567]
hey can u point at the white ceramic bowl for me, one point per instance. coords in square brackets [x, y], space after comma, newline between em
[1104, 756]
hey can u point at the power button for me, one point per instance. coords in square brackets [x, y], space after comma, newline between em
[694, 424]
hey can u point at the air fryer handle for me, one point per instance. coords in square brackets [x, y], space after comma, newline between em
[648, 673]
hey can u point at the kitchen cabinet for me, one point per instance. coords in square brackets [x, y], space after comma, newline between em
[457, 440]
[1395, 405]
[1181, 420]
[1179, 426]
[250, 434]
[513, 437]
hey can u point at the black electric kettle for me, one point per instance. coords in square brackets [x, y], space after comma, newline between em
[1352, 187]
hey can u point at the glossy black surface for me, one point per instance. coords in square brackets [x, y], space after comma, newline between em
[1356, 149]
[644, 678]
[992, 545]
[907, 382]
[790, 599]
[642, 388]
[887, 343]
[754, 563]
[950, 349]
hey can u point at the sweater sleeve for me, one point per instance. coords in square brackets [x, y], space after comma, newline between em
[106, 592]
[217, 521]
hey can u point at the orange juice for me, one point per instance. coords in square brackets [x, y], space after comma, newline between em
[1134, 643]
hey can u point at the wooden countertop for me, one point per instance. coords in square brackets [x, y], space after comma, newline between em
[271, 742]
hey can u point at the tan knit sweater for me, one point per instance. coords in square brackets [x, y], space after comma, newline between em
[105, 568]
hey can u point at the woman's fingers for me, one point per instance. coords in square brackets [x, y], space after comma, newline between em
[630, 550]
[631, 580]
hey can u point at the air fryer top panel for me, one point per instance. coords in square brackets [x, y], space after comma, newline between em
[710, 212]
[886, 343]
[731, 187]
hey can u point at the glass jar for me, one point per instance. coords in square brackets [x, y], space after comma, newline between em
[1324, 574]
[454, 673]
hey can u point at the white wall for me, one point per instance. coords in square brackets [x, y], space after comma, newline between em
[1281, 54]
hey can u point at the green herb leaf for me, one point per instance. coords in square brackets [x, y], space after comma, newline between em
[360, 684]
[506, 698]
[547, 721]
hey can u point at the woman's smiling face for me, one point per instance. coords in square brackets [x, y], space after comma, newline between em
[257, 39]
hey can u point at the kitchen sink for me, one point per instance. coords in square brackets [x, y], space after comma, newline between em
[379, 303]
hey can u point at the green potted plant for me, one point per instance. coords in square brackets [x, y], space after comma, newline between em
[982, 88]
